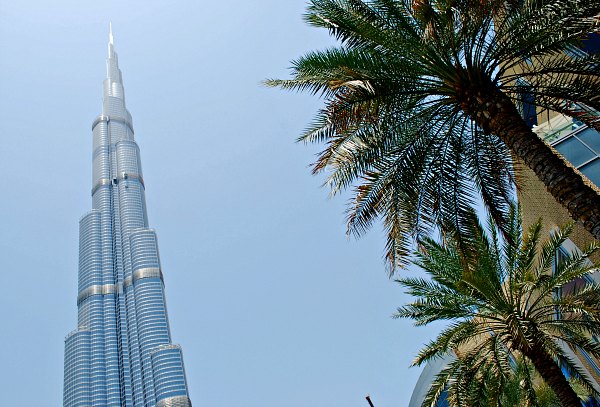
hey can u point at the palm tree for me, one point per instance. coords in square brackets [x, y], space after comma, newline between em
[485, 385]
[421, 107]
[526, 388]
[502, 301]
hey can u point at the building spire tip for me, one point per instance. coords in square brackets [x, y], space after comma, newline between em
[110, 34]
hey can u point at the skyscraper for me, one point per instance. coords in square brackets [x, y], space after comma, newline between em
[121, 352]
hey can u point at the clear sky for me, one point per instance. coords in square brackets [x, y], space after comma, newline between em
[274, 306]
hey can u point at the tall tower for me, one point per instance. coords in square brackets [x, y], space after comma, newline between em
[121, 352]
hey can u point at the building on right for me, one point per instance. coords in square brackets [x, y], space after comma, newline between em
[580, 145]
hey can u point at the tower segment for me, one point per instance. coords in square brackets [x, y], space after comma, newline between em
[121, 354]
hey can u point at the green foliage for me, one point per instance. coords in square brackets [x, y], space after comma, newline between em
[516, 384]
[502, 301]
[405, 88]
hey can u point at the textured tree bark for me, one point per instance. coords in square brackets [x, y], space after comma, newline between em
[553, 376]
[495, 113]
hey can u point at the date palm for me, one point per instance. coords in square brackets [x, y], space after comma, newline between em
[502, 302]
[421, 107]
[484, 385]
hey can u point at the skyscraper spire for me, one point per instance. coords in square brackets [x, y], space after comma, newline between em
[111, 41]
[121, 354]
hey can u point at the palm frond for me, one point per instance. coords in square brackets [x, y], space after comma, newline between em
[502, 303]
[420, 116]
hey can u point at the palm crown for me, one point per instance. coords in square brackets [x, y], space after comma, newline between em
[421, 113]
[476, 384]
[503, 303]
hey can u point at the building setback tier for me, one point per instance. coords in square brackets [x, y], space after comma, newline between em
[121, 353]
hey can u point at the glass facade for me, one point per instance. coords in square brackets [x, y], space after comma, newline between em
[582, 149]
[578, 143]
[121, 352]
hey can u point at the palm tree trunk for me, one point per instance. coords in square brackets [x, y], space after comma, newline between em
[553, 376]
[495, 113]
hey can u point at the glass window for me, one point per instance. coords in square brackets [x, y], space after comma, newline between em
[527, 103]
[443, 400]
[592, 171]
[591, 44]
[591, 137]
[574, 151]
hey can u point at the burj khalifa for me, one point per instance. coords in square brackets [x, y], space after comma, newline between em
[121, 353]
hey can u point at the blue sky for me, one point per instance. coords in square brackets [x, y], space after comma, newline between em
[274, 306]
